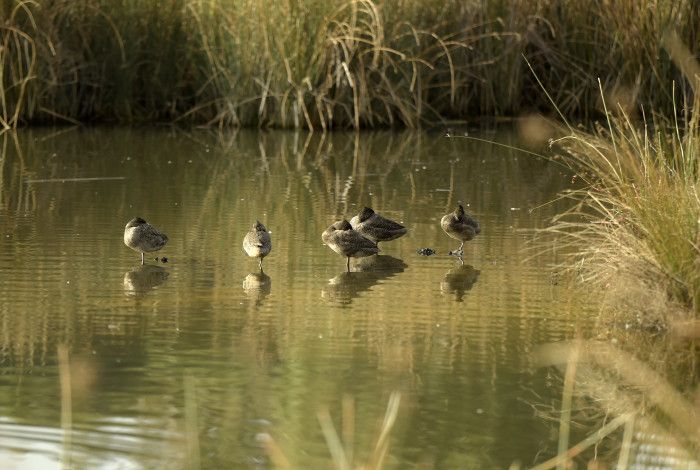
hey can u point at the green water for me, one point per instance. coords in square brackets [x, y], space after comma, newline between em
[264, 354]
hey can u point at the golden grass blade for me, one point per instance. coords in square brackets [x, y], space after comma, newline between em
[274, 451]
[332, 440]
[591, 440]
[567, 394]
[191, 423]
[382, 445]
[66, 403]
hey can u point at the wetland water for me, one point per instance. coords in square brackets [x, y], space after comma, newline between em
[205, 350]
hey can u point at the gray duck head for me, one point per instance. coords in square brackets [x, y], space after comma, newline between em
[341, 225]
[258, 227]
[365, 214]
[135, 222]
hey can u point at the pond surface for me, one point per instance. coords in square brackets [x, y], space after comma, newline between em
[195, 361]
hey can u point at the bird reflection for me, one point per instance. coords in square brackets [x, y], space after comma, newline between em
[459, 280]
[140, 280]
[366, 273]
[257, 286]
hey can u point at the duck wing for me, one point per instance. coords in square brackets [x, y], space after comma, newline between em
[355, 242]
[255, 238]
[385, 224]
[469, 221]
[156, 237]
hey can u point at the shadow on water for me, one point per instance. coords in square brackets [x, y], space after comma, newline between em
[459, 280]
[257, 287]
[365, 273]
[143, 279]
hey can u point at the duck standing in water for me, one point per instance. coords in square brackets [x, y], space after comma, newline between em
[341, 238]
[141, 236]
[257, 243]
[459, 225]
[375, 227]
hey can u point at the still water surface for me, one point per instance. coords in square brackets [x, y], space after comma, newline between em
[202, 355]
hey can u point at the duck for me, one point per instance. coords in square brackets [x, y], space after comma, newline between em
[141, 236]
[344, 240]
[257, 242]
[375, 227]
[460, 226]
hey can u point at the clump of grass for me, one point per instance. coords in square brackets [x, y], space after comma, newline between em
[636, 223]
[328, 64]
[342, 448]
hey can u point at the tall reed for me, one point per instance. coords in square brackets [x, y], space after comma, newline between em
[637, 220]
[329, 64]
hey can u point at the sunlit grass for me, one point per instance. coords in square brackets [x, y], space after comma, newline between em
[635, 224]
[636, 220]
[323, 65]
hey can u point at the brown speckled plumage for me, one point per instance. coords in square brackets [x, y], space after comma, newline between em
[141, 236]
[257, 242]
[460, 226]
[341, 238]
[375, 227]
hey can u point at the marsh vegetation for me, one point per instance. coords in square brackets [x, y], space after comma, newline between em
[332, 64]
[457, 371]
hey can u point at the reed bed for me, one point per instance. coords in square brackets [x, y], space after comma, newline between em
[330, 64]
[636, 221]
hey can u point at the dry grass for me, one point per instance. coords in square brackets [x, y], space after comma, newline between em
[636, 405]
[342, 449]
[638, 217]
[323, 65]
[636, 221]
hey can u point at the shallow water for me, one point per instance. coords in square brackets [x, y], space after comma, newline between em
[203, 356]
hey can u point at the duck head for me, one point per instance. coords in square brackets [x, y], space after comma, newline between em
[135, 222]
[365, 214]
[459, 211]
[258, 227]
[341, 225]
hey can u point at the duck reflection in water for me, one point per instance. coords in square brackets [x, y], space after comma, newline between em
[257, 286]
[459, 280]
[146, 277]
[367, 272]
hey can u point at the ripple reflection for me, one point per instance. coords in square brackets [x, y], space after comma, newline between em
[366, 273]
[459, 280]
[257, 286]
[140, 280]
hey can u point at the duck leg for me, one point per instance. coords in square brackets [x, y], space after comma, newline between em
[142, 259]
[261, 264]
[348, 264]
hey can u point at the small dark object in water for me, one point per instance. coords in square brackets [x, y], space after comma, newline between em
[164, 259]
[426, 251]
